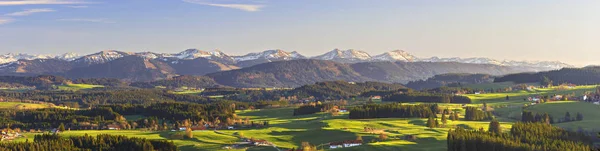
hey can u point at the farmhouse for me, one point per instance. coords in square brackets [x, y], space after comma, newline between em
[113, 127]
[259, 142]
[344, 144]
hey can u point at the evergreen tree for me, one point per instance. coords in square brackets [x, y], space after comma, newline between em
[495, 127]
[431, 122]
[567, 117]
[579, 116]
[444, 120]
[61, 127]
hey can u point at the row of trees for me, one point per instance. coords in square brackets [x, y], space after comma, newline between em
[101, 142]
[395, 110]
[528, 116]
[474, 114]
[426, 97]
[522, 137]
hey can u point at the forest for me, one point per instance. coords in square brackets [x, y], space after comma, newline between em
[522, 137]
[426, 98]
[393, 110]
[102, 142]
[579, 76]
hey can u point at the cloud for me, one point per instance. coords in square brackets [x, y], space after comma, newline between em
[244, 7]
[5, 20]
[39, 2]
[28, 12]
[91, 20]
[77, 6]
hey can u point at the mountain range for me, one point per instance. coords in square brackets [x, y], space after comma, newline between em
[263, 69]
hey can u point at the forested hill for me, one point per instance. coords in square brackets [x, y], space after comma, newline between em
[180, 81]
[580, 76]
[342, 89]
[293, 73]
[451, 79]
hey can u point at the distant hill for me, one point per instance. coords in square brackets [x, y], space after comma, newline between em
[343, 89]
[180, 81]
[129, 68]
[580, 76]
[451, 79]
[404, 72]
[287, 74]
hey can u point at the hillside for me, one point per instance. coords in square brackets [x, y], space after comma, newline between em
[403, 72]
[580, 76]
[451, 79]
[130, 68]
[180, 81]
[343, 89]
[287, 74]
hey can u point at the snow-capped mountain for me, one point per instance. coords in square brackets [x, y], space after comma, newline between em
[102, 57]
[270, 55]
[251, 59]
[396, 55]
[11, 57]
[345, 56]
[543, 65]
[68, 56]
[195, 53]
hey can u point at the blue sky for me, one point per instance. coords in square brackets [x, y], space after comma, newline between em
[505, 29]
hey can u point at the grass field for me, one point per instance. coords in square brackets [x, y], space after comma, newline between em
[75, 87]
[20, 105]
[287, 131]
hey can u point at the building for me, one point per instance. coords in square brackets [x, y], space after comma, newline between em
[113, 127]
[259, 142]
[182, 128]
[344, 144]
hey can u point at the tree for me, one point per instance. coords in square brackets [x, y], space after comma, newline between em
[431, 122]
[444, 120]
[507, 98]
[61, 127]
[382, 136]
[188, 133]
[579, 116]
[359, 138]
[456, 117]
[546, 118]
[567, 117]
[495, 127]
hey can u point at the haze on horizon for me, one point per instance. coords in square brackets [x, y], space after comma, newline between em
[551, 30]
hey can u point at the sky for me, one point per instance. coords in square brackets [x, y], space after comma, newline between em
[552, 30]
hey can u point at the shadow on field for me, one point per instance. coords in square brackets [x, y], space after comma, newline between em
[417, 122]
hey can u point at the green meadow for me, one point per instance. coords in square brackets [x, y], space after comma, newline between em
[287, 131]
[20, 105]
[75, 87]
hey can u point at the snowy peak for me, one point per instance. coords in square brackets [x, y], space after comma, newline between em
[68, 56]
[11, 57]
[195, 53]
[347, 56]
[270, 55]
[102, 57]
[546, 65]
[396, 55]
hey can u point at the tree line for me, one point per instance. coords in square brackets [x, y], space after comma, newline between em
[426, 97]
[393, 110]
[102, 142]
[522, 137]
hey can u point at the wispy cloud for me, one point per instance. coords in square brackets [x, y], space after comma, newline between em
[77, 6]
[39, 2]
[28, 12]
[91, 20]
[5, 20]
[244, 7]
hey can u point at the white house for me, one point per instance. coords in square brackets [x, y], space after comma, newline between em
[182, 128]
[344, 144]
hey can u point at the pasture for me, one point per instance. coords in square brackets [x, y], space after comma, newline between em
[21, 105]
[76, 87]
